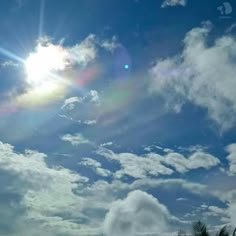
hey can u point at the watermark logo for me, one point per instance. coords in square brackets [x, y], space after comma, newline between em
[225, 10]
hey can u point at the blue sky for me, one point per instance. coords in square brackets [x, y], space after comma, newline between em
[116, 117]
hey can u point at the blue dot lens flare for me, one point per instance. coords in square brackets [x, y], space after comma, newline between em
[126, 66]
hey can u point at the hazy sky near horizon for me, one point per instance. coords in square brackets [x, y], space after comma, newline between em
[117, 117]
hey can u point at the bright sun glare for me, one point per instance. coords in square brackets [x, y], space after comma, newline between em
[41, 64]
[43, 69]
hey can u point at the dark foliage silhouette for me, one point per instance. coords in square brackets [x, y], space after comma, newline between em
[223, 232]
[200, 229]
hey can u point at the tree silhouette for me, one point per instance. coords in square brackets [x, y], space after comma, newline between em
[200, 229]
[234, 233]
[223, 232]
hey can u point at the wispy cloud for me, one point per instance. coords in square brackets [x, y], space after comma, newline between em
[75, 139]
[96, 165]
[173, 3]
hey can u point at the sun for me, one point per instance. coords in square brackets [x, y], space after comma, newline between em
[44, 62]
[45, 70]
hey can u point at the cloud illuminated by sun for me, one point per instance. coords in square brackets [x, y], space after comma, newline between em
[52, 68]
[46, 60]
[45, 73]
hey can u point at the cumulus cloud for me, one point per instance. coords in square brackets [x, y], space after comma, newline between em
[110, 45]
[136, 166]
[229, 197]
[202, 74]
[80, 54]
[82, 109]
[231, 211]
[47, 199]
[85, 51]
[231, 149]
[58, 201]
[75, 139]
[173, 3]
[216, 211]
[139, 213]
[195, 161]
[152, 164]
[102, 194]
[91, 97]
[96, 165]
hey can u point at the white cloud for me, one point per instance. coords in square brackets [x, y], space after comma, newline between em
[229, 197]
[50, 60]
[86, 161]
[91, 97]
[102, 195]
[231, 149]
[49, 57]
[231, 211]
[90, 122]
[196, 188]
[84, 52]
[154, 164]
[193, 148]
[139, 213]
[216, 211]
[94, 96]
[82, 109]
[9, 63]
[195, 161]
[173, 3]
[106, 144]
[69, 103]
[47, 194]
[181, 199]
[136, 166]
[110, 45]
[203, 75]
[75, 139]
[58, 201]
[61, 202]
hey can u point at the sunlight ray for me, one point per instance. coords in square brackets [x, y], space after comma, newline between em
[11, 55]
[41, 17]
